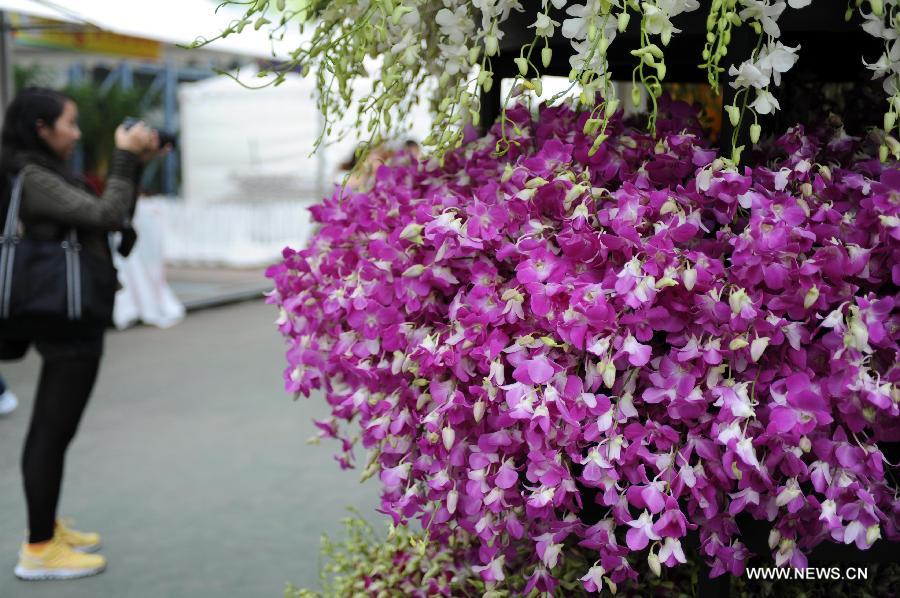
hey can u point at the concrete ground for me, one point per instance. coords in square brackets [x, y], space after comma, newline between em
[192, 463]
[199, 287]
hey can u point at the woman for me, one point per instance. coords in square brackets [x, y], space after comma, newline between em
[40, 132]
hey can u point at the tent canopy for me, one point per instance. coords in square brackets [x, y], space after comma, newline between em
[177, 22]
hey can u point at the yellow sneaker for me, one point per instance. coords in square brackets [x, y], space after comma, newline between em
[80, 541]
[57, 561]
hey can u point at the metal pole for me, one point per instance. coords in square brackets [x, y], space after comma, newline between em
[170, 168]
[7, 70]
[321, 163]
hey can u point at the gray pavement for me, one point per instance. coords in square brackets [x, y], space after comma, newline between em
[202, 287]
[192, 463]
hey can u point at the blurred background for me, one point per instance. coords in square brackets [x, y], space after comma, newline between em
[192, 460]
[237, 188]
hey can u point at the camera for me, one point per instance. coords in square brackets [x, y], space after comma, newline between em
[165, 137]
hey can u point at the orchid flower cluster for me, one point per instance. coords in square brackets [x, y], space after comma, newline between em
[612, 350]
[768, 62]
[883, 22]
[409, 45]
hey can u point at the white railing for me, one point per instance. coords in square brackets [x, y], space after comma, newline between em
[226, 234]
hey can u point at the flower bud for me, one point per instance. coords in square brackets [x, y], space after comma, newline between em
[414, 270]
[757, 347]
[755, 131]
[873, 533]
[734, 115]
[737, 343]
[611, 107]
[473, 54]
[597, 143]
[689, 278]
[591, 125]
[546, 55]
[411, 231]
[653, 562]
[636, 101]
[522, 64]
[774, 538]
[789, 493]
[491, 45]
[805, 444]
[883, 153]
[448, 435]
[661, 70]
[604, 46]
[623, 19]
[478, 410]
[893, 145]
[737, 300]
[538, 86]
[890, 119]
[812, 295]
[665, 281]
[666, 36]
[452, 499]
[877, 7]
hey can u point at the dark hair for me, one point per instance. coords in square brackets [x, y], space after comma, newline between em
[19, 141]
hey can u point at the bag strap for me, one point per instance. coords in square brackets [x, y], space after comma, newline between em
[12, 213]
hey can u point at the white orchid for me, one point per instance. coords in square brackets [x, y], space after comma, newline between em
[775, 59]
[885, 65]
[765, 12]
[765, 102]
[446, 41]
[456, 58]
[577, 27]
[657, 21]
[455, 24]
[579, 59]
[544, 26]
[748, 75]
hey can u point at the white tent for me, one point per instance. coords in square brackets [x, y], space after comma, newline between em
[254, 145]
[240, 144]
[248, 172]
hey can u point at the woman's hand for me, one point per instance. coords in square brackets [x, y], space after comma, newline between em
[137, 139]
[153, 150]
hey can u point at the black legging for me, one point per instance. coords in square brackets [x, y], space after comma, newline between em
[68, 373]
[62, 394]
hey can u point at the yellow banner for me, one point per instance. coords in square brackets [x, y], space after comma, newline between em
[75, 37]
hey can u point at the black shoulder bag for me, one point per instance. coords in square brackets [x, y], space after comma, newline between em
[49, 287]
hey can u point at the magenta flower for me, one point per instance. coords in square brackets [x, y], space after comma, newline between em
[552, 348]
[641, 532]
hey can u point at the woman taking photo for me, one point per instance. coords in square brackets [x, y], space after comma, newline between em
[40, 132]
